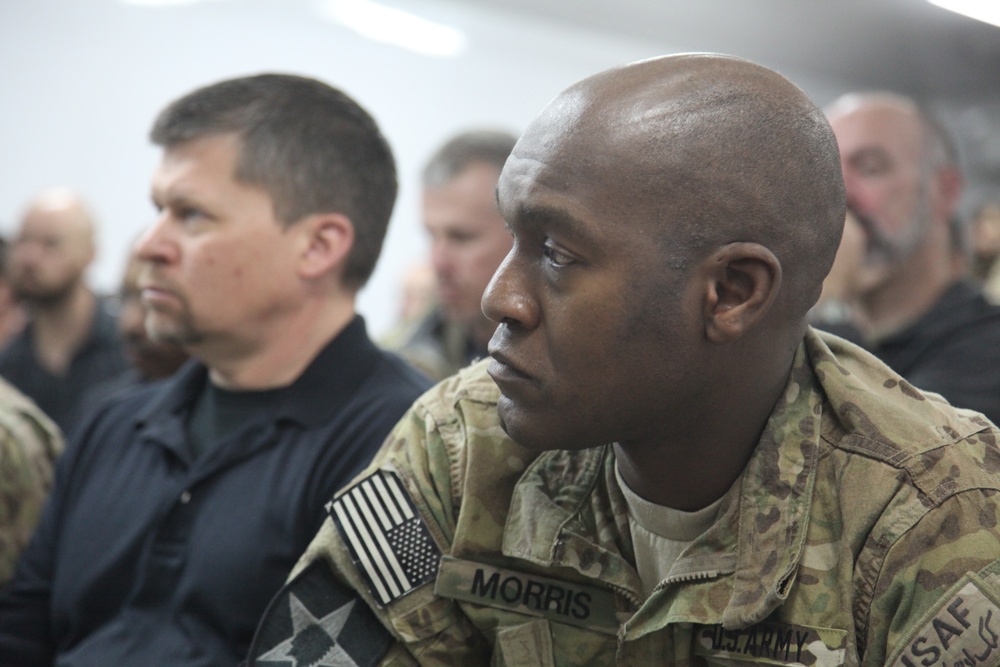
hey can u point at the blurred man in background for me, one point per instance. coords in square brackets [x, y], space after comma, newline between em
[986, 248]
[70, 342]
[468, 242]
[149, 360]
[918, 313]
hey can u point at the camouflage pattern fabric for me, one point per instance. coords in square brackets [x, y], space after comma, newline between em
[29, 445]
[863, 531]
[434, 346]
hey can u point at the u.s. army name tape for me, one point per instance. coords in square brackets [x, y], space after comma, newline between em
[773, 643]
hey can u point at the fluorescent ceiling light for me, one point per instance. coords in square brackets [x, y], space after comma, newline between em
[396, 27]
[987, 11]
[162, 3]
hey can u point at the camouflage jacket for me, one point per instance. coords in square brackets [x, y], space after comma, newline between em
[433, 345]
[29, 445]
[863, 531]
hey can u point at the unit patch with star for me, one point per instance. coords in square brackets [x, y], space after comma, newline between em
[388, 540]
[314, 621]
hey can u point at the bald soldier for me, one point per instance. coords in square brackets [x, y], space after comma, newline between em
[662, 464]
[70, 342]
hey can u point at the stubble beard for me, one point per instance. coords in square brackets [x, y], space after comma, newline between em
[41, 297]
[886, 250]
[180, 330]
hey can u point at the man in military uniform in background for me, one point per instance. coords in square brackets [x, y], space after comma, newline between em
[30, 442]
[468, 242]
[662, 464]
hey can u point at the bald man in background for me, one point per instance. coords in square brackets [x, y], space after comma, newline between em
[71, 341]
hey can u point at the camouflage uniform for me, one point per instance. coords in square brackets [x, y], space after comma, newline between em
[864, 530]
[433, 345]
[29, 445]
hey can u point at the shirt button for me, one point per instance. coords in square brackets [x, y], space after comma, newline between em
[185, 498]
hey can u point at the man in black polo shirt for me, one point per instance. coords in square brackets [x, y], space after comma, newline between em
[180, 509]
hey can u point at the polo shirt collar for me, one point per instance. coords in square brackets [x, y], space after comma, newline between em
[328, 383]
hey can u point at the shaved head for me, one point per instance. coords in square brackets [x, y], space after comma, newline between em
[67, 209]
[673, 220]
[709, 149]
[54, 247]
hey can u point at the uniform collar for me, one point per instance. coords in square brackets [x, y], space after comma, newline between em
[568, 511]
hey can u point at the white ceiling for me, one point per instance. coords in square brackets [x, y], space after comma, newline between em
[909, 45]
[948, 62]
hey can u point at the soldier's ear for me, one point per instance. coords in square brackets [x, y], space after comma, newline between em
[327, 238]
[741, 282]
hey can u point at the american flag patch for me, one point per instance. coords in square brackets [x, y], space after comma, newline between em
[387, 538]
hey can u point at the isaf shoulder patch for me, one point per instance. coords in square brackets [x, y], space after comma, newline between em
[314, 621]
[388, 539]
[964, 630]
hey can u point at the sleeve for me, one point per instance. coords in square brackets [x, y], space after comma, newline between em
[25, 633]
[32, 444]
[25, 602]
[29, 446]
[937, 596]
[377, 553]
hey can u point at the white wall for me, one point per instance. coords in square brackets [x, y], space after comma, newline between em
[81, 80]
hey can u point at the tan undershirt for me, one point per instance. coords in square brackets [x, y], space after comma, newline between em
[660, 534]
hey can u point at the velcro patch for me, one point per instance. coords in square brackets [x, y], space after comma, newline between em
[561, 601]
[387, 538]
[965, 630]
[773, 643]
[314, 620]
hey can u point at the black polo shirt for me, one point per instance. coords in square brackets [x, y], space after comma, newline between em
[146, 555]
[953, 350]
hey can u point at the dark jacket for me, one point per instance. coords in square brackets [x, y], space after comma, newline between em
[953, 350]
[100, 358]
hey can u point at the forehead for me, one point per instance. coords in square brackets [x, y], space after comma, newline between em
[562, 176]
[887, 127]
[206, 159]
[536, 188]
[49, 224]
[472, 188]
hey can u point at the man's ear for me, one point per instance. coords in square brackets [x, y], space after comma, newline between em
[949, 185]
[743, 281]
[327, 239]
